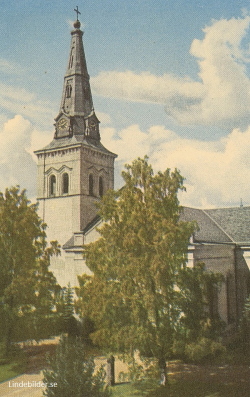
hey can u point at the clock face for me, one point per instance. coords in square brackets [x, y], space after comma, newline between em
[63, 123]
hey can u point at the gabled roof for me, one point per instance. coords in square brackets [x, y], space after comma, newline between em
[222, 225]
[234, 221]
[216, 226]
[208, 231]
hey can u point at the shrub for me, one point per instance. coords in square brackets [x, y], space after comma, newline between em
[72, 373]
[203, 349]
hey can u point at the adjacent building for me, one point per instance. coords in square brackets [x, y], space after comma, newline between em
[222, 242]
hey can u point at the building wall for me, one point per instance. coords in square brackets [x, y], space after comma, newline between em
[66, 214]
[220, 258]
[68, 266]
[98, 164]
[69, 213]
[242, 279]
[57, 162]
[59, 211]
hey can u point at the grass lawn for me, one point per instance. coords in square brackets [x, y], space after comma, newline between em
[11, 366]
[150, 389]
[8, 371]
[29, 359]
[123, 390]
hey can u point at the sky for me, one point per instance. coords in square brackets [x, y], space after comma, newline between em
[170, 79]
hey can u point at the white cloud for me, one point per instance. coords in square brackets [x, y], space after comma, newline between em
[18, 139]
[16, 164]
[223, 70]
[221, 93]
[20, 101]
[104, 118]
[38, 140]
[146, 87]
[216, 172]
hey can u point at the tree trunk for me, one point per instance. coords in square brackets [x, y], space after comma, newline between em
[163, 371]
[9, 327]
[8, 336]
[111, 371]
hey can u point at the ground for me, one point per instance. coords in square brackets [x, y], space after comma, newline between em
[186, 380]
[209, 380]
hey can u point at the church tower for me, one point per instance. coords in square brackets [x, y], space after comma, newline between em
[75, 169]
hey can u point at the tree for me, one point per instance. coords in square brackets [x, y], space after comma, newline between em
[71, 373]
[134, 295]
[68, 322]
[28, 290]
[199, 288]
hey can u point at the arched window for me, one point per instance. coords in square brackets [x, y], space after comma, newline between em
[65, 183]
[52, 185]
[100, 186]
[91, 185]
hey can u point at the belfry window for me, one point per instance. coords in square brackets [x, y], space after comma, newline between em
[100, 186]
[91, 185]
[52, 185]
[68, 90]
[65, 183]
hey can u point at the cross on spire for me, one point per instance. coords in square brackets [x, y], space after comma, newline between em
[77, 12]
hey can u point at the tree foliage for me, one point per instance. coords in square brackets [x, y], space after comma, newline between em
[200, 318]
[73, 374]
[134, 295]
[67, 322]
[28, 289]
[142, 296]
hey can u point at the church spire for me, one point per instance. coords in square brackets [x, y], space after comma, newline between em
[76, 115]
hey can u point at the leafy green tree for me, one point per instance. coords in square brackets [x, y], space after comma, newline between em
[199, 288]
[68, 303]
[73, 374]
[28, 290]
[68, 322]
[134, 295]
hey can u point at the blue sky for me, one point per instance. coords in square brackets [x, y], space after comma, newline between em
[170, 79]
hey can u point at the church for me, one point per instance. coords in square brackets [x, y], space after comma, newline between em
[75, 170]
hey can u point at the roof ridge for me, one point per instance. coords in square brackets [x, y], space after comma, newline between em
[219, 226]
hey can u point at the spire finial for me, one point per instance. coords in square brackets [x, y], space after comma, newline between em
[77, 12]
